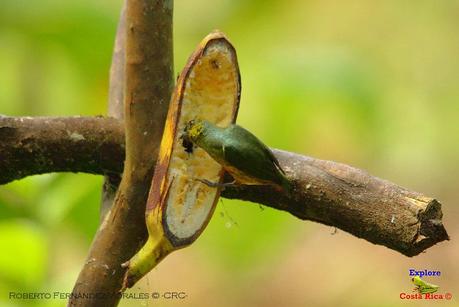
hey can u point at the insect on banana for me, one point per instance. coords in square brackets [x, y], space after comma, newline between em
[242, 154]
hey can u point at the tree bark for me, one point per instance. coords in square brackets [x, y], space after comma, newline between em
[37, 145]
[147, 90]
[115, 106]
[326, 192]
[350, 199]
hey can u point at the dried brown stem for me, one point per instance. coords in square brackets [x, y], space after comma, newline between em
[326, 192]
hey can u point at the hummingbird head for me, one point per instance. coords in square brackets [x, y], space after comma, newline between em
[194, 129]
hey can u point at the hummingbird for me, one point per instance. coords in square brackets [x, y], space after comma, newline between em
[239, 152]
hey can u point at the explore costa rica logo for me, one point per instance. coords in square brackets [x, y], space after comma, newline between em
[413, 272]
[423, 289]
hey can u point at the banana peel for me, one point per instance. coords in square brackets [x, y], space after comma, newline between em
[179, 206]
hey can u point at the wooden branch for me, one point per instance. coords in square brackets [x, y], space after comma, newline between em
[147, 91]
[31, 146]
[115, 106]
[326, 192]
[368, 207]
[118, 69]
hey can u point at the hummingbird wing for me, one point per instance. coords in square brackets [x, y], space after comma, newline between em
[274, 159]
[246, 153]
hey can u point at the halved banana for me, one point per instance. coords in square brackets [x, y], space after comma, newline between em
[179, 207]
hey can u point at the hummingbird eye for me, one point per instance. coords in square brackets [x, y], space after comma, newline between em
[193, 129]
[189, 124]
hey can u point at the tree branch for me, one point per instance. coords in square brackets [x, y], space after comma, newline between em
[38, 145]
[115, 105]
[326, 192]
[368, 207]
[147, 91]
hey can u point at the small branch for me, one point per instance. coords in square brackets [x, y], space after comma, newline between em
[115, 105]
[31, 146]
[147, 91]
[118, 69]
[326, 192]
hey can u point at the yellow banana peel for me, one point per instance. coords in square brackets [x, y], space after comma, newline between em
[179, 207]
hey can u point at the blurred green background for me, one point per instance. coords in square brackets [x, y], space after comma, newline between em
[373, 84]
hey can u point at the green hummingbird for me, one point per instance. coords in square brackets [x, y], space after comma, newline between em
[241, 154]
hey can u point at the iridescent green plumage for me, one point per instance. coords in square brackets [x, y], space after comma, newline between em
[241, 153]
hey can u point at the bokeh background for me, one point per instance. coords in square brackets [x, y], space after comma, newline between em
[373, 84]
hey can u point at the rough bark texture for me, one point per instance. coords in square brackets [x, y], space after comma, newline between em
[117, 70]
[147, 90]
[368, 207]
[326, 192]
[115, 105]
[31, 146]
